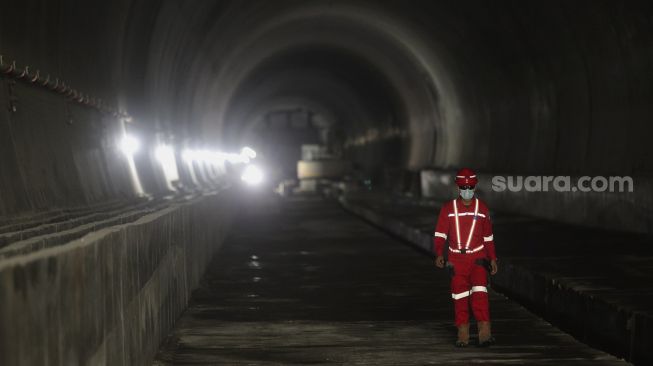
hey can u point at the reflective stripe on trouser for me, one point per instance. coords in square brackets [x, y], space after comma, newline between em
[469, 283]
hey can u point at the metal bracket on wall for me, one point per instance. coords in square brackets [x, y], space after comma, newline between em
[10, 71]
[68, 113]
[13, 99]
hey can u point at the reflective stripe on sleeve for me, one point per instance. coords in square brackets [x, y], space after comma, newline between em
[440, 235]
[460, 295]
[488, 238]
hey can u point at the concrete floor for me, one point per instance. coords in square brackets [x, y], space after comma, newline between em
[594, 284]
[302, 282]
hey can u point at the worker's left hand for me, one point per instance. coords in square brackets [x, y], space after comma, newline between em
[493, 267]
[439, 261]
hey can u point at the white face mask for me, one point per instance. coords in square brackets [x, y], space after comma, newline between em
[467, 194]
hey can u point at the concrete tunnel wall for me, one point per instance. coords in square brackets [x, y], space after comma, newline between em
[508, 88]
[505, 87]
[555, 75]
[112, 296]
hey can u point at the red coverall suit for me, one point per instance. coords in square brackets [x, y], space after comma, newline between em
[469, 231]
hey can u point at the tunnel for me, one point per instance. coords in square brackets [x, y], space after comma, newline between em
[259, 182]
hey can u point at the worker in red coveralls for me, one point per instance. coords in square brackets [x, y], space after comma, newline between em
[465, 223]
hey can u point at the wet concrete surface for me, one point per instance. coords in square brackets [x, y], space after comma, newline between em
[301, 281]
[594, 284]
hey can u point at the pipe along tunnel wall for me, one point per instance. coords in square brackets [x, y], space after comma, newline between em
[109, 297]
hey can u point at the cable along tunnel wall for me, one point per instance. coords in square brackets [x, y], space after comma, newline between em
[110, 297]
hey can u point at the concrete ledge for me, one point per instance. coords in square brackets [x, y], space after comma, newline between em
[596, 321]
[74, 229]
[624, 211]
[31, 219]
[110, 297]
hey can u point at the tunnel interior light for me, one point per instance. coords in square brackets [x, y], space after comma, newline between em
[212, 157]
[164, 153]
[188, 156]
[129, 145]
[252, 175]
[166, 156]
[205, 156]
[234, 158]
[248, 153]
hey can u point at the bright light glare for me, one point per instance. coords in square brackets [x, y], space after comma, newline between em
[212, 157]
[234, 158]
[129, 145]
[252, 175]
[248, 152]
[166, 156]
[188, 156]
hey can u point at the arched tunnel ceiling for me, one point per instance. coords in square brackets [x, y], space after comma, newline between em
[465, 76]
[351, 89]
[365, 57]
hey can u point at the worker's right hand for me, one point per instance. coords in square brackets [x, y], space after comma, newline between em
[439, 261]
